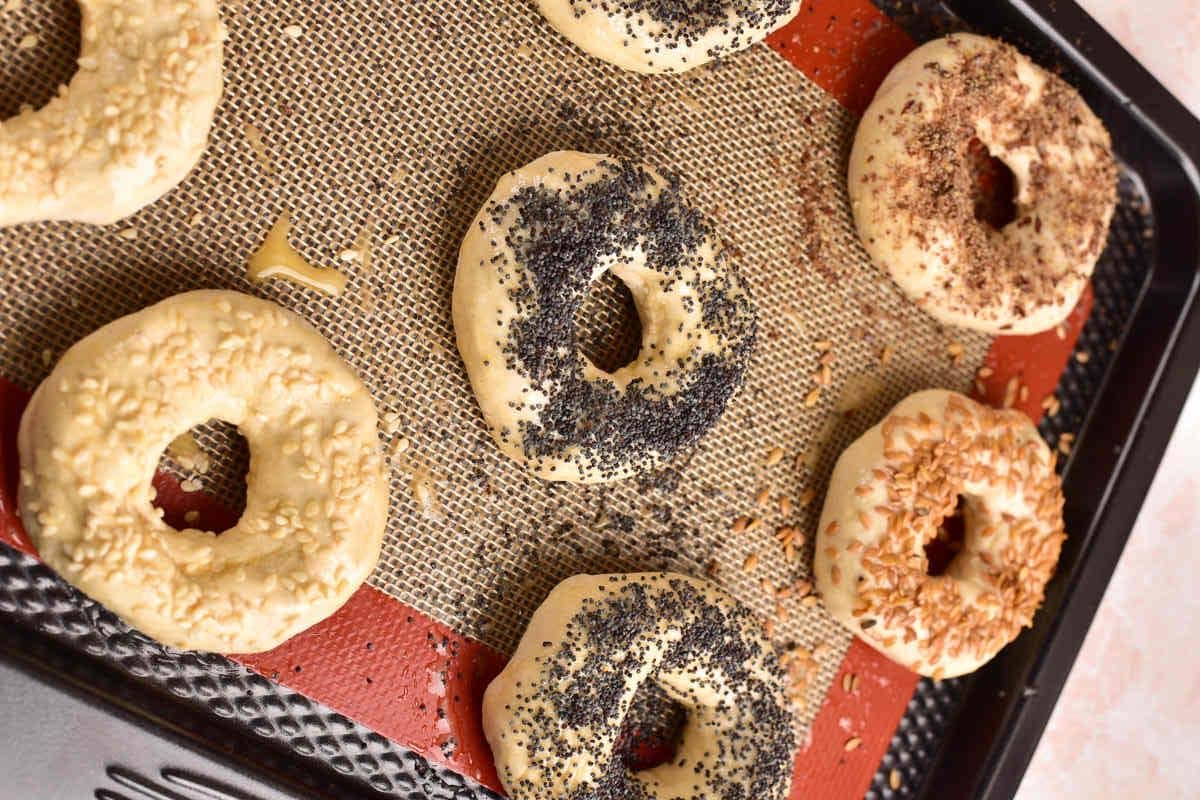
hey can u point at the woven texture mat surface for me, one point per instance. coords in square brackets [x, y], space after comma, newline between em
[396, 119]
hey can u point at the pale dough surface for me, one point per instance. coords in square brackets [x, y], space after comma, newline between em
[909, 187]
[316, 497]
[889, 492]
[632, 39]
[129, 126]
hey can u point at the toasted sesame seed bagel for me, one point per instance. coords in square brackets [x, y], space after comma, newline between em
[316, 499]
[553, 716]
[527, 264]
[130, 125]
[916, 197]
[666, 35]
[891, 492]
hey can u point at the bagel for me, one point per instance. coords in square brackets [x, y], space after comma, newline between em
[130, 125]
[891, 491]
[527, 264]
[316, 498]
[912, 188]
[650, 36]
[554, 714]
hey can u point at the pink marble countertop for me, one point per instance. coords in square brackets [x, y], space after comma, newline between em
[1128, 721]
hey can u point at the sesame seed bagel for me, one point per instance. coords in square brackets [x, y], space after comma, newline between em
[914, 193]
[130, 125]
[554, 715]
[526, 266]
[316, 499]
[654, 36]
[891, 491]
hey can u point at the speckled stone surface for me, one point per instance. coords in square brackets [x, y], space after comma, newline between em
[1128, 721]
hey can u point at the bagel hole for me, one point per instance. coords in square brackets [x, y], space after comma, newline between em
[652, 729]
[30, 75]
[993, 186]
[201, 479]
[948, 542]
[608, 330]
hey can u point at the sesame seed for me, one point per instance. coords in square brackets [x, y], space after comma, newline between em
[853, 743]
[750, 563]
[894, 779]
[813, 397]
[885, 355]
[823, 346]
[293, 31]
[1083, 357]
[28, 43]
[985, 372]
[1010, 391]
[128, 233]
[763, 499]
[785, 505]
[740, 524]
[774, 456]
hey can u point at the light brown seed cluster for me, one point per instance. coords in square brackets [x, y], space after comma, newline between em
[985, 455]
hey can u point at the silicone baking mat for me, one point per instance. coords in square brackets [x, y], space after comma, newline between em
[381, 127]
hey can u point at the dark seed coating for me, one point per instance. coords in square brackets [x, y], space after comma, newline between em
[705, 651]
[559, 238]
[681, 23]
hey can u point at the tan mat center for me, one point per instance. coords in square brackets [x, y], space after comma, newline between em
[399, 117]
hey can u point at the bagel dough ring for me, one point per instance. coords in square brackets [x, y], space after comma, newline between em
[316, 499]
[650, 36]
[527, 264]
[888, 495]
[912, 189]
[130, 125]
[553, 716]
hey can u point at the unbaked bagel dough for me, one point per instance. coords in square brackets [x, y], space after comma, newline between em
[890, 492]
[553, 716]
[316, 498]
[675, 36]
[912, 190]
[130, 125]
[528, 262]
